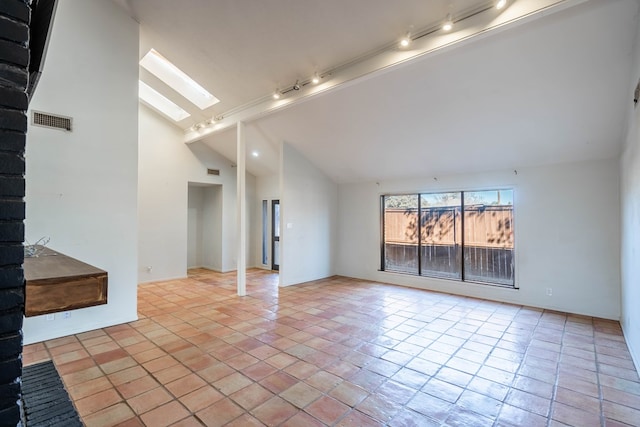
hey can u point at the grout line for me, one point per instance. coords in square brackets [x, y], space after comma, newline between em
[344, 313]
[555, 385]
[600, 391]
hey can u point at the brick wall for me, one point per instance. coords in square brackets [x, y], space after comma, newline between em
[14, 59]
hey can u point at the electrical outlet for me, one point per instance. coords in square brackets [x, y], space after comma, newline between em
[549, 292]
[149, 269]
[66, 315]
[51, 317]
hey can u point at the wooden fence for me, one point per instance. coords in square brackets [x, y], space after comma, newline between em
[488, 242]
[484, 226]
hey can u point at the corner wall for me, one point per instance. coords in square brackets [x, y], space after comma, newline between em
[567, 235]
[194, 222]
[167, 165]
[308, 214]
[82, 185]
[630, 202]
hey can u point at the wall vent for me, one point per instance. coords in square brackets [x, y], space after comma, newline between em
[213, 171]
[51, 121]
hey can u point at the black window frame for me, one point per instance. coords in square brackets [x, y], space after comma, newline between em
[463, 274]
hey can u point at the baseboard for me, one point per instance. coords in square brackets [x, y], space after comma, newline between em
[209, 267]
[635, 354]
[162, 279]
[48, 334]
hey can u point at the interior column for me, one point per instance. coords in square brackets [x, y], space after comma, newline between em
[241, 209]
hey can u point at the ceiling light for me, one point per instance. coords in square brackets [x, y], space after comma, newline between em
[500, 4]
[178, 80]
[296, 86]
[447, 25]
[255, 153]
[315, 79]
[158, 102]
[405, 41]
[276, 94]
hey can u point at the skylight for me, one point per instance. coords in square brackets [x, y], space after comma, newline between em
[158, 102]
[177, 79]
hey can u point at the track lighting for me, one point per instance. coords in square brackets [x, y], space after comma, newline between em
[405, 41]
[447, 25]
[417, 35]
[214, 120]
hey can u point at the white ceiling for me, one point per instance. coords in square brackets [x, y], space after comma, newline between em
[241, 50]
[551, 90]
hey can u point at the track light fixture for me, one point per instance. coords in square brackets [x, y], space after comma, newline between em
[405, 41]
[447, 25]
[410, 37]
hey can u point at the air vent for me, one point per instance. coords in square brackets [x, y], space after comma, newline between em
[51, 121]
[213, 171]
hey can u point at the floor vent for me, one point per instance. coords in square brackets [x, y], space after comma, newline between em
[51, 121]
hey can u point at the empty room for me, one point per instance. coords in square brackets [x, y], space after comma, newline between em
[342, 213]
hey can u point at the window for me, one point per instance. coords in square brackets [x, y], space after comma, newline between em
[456, 235]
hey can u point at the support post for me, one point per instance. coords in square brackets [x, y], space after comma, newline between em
[241, 209]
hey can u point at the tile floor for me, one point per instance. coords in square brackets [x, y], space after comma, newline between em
[343, 352]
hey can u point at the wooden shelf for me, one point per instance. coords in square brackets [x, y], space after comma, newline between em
[56, 282]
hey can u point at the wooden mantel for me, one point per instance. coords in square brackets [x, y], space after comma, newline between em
[56, 282]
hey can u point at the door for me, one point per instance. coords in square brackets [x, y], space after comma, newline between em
[275, 235]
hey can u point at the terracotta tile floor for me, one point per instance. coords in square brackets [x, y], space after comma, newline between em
[343, 352]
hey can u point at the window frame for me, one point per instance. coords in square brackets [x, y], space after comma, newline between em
[514, 285]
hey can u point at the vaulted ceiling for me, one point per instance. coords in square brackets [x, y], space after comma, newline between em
[556, 88]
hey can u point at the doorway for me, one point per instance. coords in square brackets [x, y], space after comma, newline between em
[204, 226]
[275, 235]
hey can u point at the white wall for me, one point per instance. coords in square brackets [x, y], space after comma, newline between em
[630, 195]
[166, 167]
[308, 213]
[81, 185]
[566, 234]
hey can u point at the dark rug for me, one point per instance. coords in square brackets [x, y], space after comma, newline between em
[46, 402]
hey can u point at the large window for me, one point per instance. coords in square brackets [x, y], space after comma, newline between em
[456, 235]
